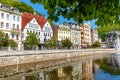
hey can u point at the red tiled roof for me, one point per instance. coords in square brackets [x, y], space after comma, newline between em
[27, 17]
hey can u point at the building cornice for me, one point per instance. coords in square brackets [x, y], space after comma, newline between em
[10, 11]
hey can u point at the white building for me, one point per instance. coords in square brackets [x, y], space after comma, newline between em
[10, 22]
[36, 24]
[94, 36]
[75, 35]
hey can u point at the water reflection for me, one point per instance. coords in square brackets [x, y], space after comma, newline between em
[78, 68]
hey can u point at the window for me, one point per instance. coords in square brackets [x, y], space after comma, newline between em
[13, 18]
[12, 35]
[17, 36]
[2, 15]
[7, 25]
[13, 25]
[18, 19]
[34, 21]
[2, 24]
[17, 26]
[27, 31]
[6, 34]
[7, 16]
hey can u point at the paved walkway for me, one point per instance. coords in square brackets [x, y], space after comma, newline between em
[36, 52]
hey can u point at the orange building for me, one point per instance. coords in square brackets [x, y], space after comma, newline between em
[85, 35]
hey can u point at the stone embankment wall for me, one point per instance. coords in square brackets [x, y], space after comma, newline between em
[20, 57]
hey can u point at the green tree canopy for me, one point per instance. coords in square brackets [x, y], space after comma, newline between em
[96, 44]
[51, 43]
[106, 11]
[4, 39]
[12, 43]
[66, 43]
[31, 40]
[105, 29]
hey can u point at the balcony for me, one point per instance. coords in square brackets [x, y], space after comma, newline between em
[15, 30]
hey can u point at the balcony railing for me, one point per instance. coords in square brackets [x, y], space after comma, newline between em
[15, 30]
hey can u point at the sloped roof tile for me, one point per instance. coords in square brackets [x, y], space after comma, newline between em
[27, 17]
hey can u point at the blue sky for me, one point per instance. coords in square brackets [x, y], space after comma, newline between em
[40, 8]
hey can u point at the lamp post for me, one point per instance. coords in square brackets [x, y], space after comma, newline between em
[22, 46]
[45, 39]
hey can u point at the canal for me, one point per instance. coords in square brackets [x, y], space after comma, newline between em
[92, 67]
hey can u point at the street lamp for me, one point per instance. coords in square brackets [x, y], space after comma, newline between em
[22, 46]
[45, 39]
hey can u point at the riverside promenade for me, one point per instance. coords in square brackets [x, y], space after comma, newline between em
[22, 57]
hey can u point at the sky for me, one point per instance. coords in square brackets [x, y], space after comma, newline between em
[41, 9]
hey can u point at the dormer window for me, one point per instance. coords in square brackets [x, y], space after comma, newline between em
[5, 6]
[34, 21]
[15, 9]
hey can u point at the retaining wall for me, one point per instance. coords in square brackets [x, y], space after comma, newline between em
[20, 57]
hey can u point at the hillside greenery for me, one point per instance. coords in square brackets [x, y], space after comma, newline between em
[102, 31]
[23, 7]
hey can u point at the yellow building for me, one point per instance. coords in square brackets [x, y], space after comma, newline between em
[61, 32]
[85, 35]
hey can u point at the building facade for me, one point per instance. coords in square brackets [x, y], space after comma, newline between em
[75, 35]
[85, 35]
[33, 23]
[94, 36]
[61, 32]
[112, 39]
[10, 23]
[69, 31]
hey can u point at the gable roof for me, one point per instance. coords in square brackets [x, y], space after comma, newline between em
[27, 17]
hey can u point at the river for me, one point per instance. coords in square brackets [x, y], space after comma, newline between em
[94, 67]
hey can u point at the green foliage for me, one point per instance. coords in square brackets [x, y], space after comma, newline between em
[31, 40]
[23, 7]
[51, 43]
[96, 44]
[102, 31]
[66, 43]
[4, 39]
[12, 43]
[108, 67]
[106, 11]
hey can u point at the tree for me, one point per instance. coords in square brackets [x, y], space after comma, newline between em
[66, 43]
[12, 43]
[51, 43]
[106, 11]
[102, 31]
[96, 44]
[4, 39]
[31, 40]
